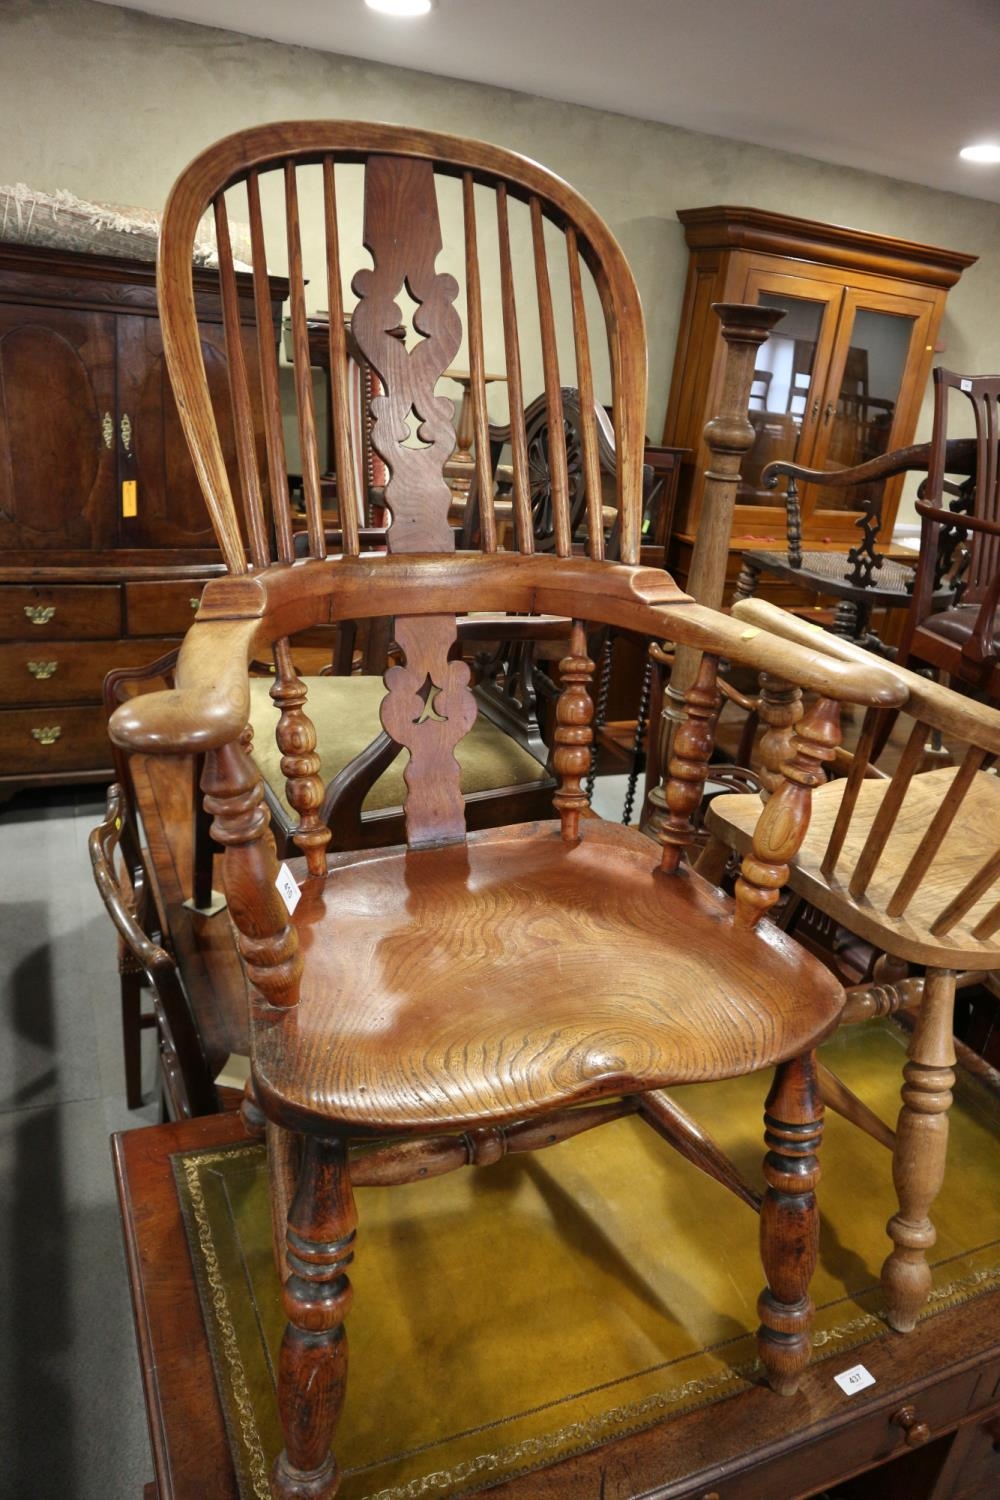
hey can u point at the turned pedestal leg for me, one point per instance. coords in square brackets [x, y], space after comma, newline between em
[789, 1222]
[918, 1161]
[312, 1365]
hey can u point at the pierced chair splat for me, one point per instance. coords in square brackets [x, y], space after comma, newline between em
[505, 988]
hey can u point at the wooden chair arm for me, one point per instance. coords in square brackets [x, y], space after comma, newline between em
[940, 707]
[960, 458]
[957, 518]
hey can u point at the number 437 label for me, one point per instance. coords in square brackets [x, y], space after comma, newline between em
[857, 1378]
[287, 888]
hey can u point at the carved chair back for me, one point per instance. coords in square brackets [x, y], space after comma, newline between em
[402, 271]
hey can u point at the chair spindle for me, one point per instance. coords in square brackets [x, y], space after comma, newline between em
[268, 356]
[524, 534]
[246, 450]
[855, 779]
[588, 424]
[477, 370]
[931, 841]
[347, 485]
[303, 378]
[886, 816]
[573, 735]
[558, 466]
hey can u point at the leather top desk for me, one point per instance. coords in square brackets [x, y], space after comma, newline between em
[932, 1418]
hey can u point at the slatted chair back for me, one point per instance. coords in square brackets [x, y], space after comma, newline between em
[402, 234]
[983, 394]
[525, 247]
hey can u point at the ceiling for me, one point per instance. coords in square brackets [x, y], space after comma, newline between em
[891, 86]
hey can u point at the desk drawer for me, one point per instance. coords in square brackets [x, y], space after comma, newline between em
[34, 741]
[161, 608]
[60, 612]
[67, 671]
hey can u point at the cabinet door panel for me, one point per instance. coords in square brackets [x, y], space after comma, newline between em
[170, 510]
[790, 374]
[881, 338]
[57, 402]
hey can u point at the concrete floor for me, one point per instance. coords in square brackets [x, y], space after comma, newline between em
[72, 1421]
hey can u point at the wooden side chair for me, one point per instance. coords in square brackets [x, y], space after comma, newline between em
[963, 639]
[438, 1004]
[908, 861]
[862, 579]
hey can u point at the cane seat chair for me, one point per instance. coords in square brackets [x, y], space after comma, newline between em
[908, 859]
[440, 1003]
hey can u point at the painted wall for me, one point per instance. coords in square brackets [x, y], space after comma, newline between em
[111, 104]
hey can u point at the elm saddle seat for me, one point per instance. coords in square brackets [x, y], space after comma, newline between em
[466, 995]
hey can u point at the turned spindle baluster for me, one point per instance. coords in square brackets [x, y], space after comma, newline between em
[918, 1164]
[784, 821]
[688, 766]
[296, 737]
[789, 1222]
[269, 946]
[779, 709]
[573, 735]
[312, 1364]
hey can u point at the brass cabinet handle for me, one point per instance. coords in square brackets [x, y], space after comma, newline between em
[815, 409]
[39, 614]
[47, 734]
[915, 1432]
[828, 411]
[126, 432]
[42, 669]
[108, 430]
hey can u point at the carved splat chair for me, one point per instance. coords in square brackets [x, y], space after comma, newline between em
[464, 995]
[908, 861]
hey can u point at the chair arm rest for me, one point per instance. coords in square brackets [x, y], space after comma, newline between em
[102, 844]
[210, 703]
[940, 707]
[960, 458]
[957, 518]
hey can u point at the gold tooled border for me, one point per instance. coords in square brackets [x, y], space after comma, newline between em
[531, 1453]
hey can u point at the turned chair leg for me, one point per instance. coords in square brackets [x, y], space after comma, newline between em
[312, 1365]
[789, 1222]
[918, 1162]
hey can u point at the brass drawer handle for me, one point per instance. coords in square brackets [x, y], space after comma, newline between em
[915, 1432]
[194, 601]
[48, 734]
[39, 614]
[42, 669]
[108, 430]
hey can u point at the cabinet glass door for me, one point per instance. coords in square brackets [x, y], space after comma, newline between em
[789, 376]
[877, 338]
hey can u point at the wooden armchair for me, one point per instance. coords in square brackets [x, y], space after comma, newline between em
[909, 862]
[862, 579]
[963, 639]
[435, 1005]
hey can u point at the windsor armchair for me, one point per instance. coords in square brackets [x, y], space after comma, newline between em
[909, 862]
[962, 640]
[465, 995]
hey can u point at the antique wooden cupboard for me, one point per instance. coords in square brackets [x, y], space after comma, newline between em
[840, 380]
[104, 539]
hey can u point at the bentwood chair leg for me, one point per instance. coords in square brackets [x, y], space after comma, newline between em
[312, 1365]
[789, 1222]
[918, 1161]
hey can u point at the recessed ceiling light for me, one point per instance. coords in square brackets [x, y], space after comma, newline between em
[400, 7]
[986, 152]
